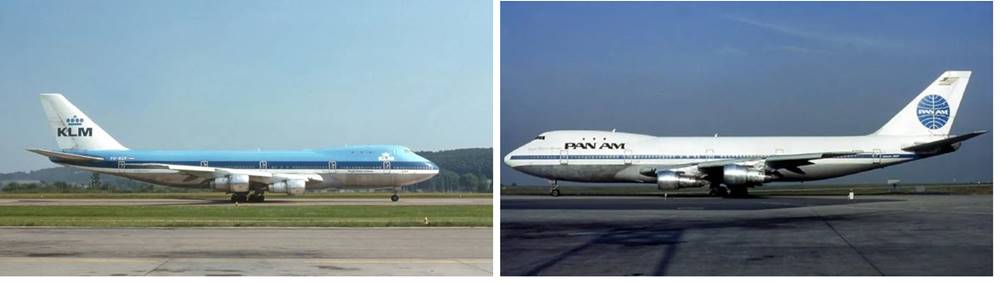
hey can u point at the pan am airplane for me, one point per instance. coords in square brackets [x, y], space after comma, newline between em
[730, 165]
[245, 174]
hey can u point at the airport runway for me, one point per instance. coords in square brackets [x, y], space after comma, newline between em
[872, 235]
[268, 202]
[237, 251]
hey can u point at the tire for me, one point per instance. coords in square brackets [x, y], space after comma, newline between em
[554, 193]
[394, 198]
[739, 192]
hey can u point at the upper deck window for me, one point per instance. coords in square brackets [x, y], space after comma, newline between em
[540, 137]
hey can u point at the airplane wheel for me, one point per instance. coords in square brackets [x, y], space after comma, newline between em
[256, 198]
[554, 193]
[718, 191]
[394, 198]
[238, 197]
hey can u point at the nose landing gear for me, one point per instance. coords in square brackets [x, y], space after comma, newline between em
[554, 188]
[395, 194]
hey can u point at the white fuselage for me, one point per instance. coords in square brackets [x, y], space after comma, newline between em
[602, 156]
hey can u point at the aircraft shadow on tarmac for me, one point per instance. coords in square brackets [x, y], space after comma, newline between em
[653, 203]
[664, 236]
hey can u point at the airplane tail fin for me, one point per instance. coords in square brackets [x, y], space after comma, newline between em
[73, 128]
[933, 111]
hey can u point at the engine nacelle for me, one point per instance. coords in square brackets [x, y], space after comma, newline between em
[736, 175]
[290, 186]
[672, 181]
[232, 183]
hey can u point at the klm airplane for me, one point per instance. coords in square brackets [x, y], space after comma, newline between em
[246, 175]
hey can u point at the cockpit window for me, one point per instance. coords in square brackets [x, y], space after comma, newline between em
[540, 137]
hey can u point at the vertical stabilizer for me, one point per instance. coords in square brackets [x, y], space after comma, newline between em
[74, 129]
[933, 111]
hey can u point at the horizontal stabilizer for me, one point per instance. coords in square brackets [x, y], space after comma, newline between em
[64, 156]
[935, 145]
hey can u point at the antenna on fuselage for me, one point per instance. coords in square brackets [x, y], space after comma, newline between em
[613, 130]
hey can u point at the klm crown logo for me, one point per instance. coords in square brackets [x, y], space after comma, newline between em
[74, 132]
[74, 121]
[933, 111]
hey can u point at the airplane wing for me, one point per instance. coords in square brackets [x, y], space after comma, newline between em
[64, 156]
[212, 172]
[940, 144]
[775, 162]
[778, 161]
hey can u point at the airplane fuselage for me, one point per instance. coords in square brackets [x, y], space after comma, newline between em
[350, 167]
[603, 156]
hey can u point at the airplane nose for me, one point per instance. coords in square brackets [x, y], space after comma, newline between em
[506, 159]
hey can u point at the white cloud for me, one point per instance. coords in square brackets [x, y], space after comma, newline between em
[839, 39]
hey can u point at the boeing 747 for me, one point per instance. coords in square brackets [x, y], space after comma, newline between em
[731, 165]
[246, 175]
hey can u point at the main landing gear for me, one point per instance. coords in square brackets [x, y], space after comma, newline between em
[733, 191]
[739, 192]
[238, 197]
[554, 188]
[718, 190]
[256, 196]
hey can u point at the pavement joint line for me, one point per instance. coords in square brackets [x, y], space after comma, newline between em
[77, 259]
[470, 264]
[157, 267]
[244, 228]
[400, 261]
[159, 263]
[855, 249]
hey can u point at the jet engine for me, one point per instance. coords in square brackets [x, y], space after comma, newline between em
[671, 180]
[290, 186]
[736, 175]
[232, 183]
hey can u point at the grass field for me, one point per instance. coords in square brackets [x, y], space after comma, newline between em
[798, 189]
[224, 196]
[248, 216]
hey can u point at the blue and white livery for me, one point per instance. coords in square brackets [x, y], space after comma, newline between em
[730, 165]
[245, 174]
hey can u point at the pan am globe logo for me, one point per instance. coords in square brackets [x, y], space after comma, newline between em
[933, 111]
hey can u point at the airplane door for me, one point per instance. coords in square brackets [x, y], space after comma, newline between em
[876, 156]
[562, 157]
[628, 157]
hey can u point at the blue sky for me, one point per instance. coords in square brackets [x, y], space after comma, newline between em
[249, 74]
[741, 69]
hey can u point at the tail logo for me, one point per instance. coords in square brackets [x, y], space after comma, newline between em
[933, 111]
[77, 132]
[74, 121]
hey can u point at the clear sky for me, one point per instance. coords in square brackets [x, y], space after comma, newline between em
[743, 69]
[249, 74]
